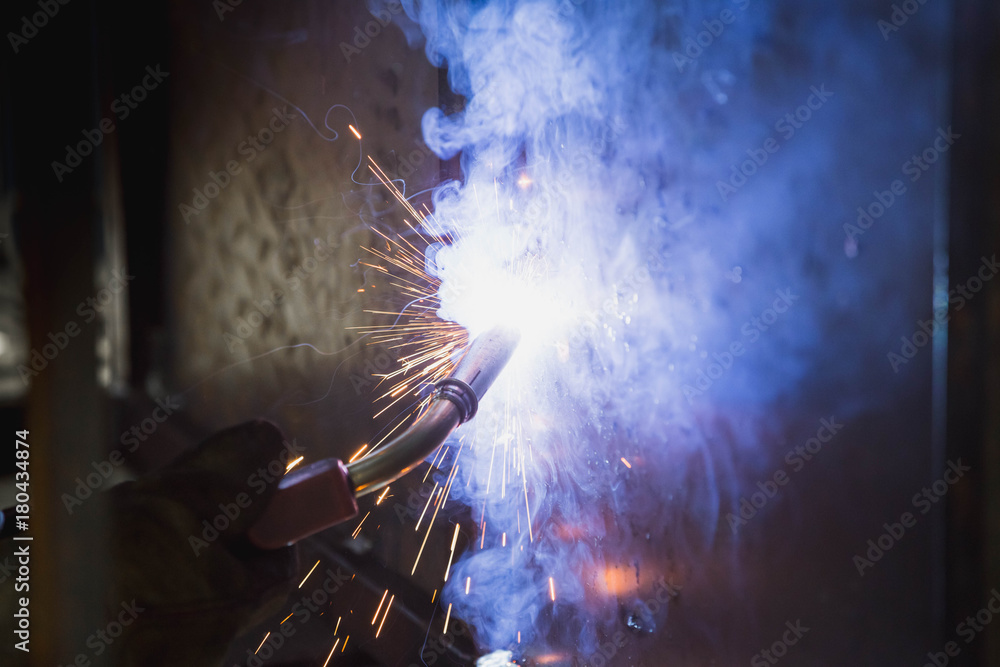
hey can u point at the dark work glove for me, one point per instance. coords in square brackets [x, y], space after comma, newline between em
[195, 590]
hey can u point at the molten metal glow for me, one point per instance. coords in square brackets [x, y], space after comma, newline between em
[490, 277]
[452, 287]
[618, 582]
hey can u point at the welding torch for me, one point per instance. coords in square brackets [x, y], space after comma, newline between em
[325, 493]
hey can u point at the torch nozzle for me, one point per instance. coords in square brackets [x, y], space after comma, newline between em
[325, 493]
[455, 401]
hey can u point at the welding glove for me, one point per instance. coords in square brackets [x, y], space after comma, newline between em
[181, 553]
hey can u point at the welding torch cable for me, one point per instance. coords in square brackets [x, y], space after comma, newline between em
[325, 493]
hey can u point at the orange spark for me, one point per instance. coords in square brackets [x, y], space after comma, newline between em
[381, 602]
[357, 531]
[331, 651]
[454, 541]
[377, 632]
[310, 572]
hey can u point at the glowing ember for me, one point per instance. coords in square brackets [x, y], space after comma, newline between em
[309, 574]
[327, 662]
[447, 618]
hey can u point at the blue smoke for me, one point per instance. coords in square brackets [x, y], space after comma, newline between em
[668, 185]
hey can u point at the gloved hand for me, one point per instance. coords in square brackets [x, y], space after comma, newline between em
[198, 590]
